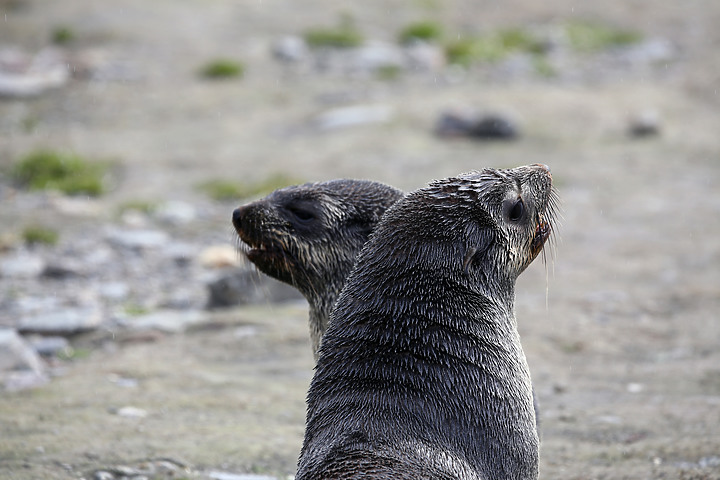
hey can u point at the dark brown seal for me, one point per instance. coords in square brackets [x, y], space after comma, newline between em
[421, 373]
[309, 235]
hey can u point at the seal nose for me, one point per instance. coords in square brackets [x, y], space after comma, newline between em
[543, 166]
[237, 217]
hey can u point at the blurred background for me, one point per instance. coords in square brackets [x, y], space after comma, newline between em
[134, 339]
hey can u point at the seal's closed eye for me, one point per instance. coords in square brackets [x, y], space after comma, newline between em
[301, 213]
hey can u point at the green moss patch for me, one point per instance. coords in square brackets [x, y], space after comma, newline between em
[223, 68]
[345, 35]
[62, 35]
[39, 235]
[67, 173]
[493, 47]
[427, 31]
[388, 72]
[224, 190]
[585, 36]
[142, 206]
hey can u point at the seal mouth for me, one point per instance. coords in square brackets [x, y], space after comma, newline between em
[258, 251]
[542, 233]
[269, 257]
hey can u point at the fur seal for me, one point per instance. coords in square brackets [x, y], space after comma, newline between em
[421, 373]
[309, 235]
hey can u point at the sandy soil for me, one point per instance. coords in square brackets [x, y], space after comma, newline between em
[621, 328]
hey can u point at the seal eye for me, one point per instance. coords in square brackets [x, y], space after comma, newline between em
[301, 214]
[517, 210]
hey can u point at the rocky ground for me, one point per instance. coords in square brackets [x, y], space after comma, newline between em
[115, 366]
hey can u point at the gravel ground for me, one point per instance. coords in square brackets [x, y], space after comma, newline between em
[620, 325]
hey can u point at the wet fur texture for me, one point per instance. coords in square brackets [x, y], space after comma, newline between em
[309, 235]
[421, 373]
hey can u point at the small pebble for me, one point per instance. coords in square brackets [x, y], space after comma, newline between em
[646, 124]
[219, 256]
[635, 387]
[290, 48]
[131, 412]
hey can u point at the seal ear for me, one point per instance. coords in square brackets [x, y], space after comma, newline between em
[478, 240]
[469, 254]
[360, 226]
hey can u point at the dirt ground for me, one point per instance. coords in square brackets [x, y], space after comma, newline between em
[620, 326]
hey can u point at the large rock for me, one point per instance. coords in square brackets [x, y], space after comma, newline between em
[17, 354]
[22, 265]
[25, 76]
[68, 321]
[240, 286]
[63, 269]
[20, 366]
[485, 127]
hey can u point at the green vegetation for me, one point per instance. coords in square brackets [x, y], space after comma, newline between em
[71, 353]
[427, 31]
[223, 68]
[516, 39]
[36, 234]
[585, 36]
[430, 5]
[470, 50]
[493, 47]
[135, 310]
[67, 173]
[29, 123]
[389, 72]
[223, 190]
[143, 206]
[62, 35]
[543, 66]
[345, 35]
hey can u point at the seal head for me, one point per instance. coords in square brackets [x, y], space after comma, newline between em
[309, 235]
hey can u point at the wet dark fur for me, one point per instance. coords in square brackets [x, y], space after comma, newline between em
[309, 235]
[421, 373]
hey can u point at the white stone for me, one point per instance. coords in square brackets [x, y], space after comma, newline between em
[354, 116]
[17, 354]
[170, 321]
[22, 265]
[138, 239]
[63, 322]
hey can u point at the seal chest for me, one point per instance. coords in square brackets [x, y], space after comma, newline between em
[309, 235]
[421, 373]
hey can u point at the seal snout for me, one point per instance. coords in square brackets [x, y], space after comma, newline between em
[542, 233]
[238, 216]
[543, 167]
[242, 220]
